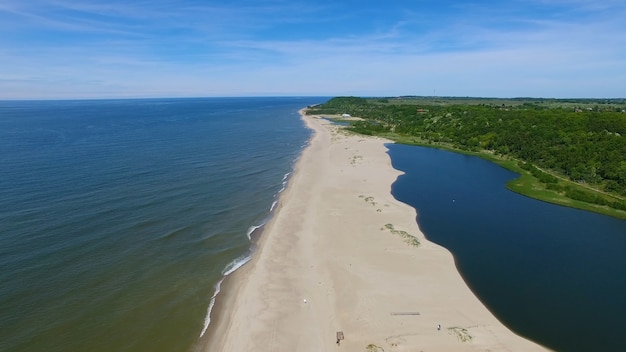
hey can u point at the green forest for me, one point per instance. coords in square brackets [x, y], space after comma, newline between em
[568, 151]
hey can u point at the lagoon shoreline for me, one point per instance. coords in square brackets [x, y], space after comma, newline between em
[340, 255]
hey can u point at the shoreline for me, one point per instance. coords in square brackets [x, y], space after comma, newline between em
[331, 260]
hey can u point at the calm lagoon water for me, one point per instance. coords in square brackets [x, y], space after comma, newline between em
[119, 217]
[553, 274]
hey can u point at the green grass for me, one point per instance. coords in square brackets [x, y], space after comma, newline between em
[374, 348]
[461, 333]
[406, 237]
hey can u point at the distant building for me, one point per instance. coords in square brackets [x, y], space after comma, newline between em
[422, 111]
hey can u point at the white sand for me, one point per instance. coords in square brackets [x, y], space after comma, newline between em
[327, 263]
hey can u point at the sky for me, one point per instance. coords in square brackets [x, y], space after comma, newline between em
[65, 49]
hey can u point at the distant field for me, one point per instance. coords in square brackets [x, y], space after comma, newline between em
[612, 103]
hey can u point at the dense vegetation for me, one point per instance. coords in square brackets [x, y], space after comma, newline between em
[568, 151]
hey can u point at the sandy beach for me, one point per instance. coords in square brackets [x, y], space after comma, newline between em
[342, 255]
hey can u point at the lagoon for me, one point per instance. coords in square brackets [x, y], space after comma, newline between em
[553, 274]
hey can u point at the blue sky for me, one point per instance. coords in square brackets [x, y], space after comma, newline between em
[163, 48]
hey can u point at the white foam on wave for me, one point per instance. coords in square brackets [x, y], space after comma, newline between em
[230, 268]
[251, 230]
[284, 185]
[241, 261]
[236, 264]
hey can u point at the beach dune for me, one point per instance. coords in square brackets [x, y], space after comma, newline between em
[342, 255]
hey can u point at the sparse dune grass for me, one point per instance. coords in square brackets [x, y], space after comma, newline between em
[461, 333]
[374, 348]
[408, 238]
[369, 200]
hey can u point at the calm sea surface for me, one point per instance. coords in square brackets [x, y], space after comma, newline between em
[553, 274]
[118, 218]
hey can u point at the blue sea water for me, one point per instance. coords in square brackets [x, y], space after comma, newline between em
[118, 218]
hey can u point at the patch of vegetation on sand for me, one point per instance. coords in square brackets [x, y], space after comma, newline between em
[461, 333]
[374, 348]
[369, 200]
[408, 238]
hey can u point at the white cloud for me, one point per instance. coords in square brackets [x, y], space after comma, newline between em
[216, 50]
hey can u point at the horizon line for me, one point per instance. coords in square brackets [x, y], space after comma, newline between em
[314, 96]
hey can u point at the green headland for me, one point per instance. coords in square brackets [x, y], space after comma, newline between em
[570, 152]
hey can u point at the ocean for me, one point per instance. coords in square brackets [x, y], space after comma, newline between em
[120, 218]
